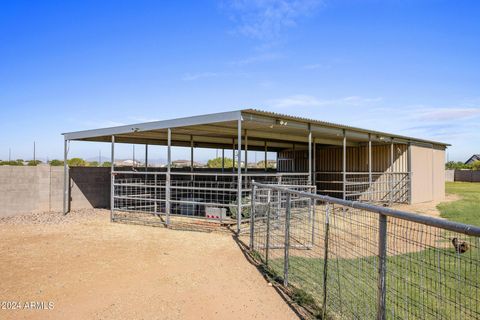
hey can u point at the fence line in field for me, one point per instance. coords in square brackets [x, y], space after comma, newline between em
[348, 259]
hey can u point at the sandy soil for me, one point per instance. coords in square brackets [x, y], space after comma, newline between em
[93, 269]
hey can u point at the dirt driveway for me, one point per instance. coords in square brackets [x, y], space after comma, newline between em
[90, 268]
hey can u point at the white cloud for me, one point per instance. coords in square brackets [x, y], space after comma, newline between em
[99, 124]
[311, 101]
[295, 101]
[266, 19]
[201, 75]
[262, 57]
[447, 114]
[316, 66]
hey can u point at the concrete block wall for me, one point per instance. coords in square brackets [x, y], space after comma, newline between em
[450, 175]
[40, 188]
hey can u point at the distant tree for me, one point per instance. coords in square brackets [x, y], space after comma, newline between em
[270, 164]
[106, 164]
[217, 163]
[457, 165]
[77, 162]
[476, 165]
[56, 162]
[93, 164]
[34, 162]
[12, 163]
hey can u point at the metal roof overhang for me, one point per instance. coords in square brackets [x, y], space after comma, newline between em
[219, 130]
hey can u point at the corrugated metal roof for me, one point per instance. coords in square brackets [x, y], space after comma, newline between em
[339, 126]
[225, 117]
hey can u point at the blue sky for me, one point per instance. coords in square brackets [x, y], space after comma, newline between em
[408, 67]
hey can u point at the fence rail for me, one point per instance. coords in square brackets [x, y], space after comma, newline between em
[376, 187]
[353, 260]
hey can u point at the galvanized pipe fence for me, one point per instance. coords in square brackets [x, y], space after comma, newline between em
[154, 196]
[353, 260]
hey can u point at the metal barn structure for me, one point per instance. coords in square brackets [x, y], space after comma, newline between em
[331, 159]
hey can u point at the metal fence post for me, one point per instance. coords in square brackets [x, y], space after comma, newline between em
[267, 241]
[382, 267]
[287, 240]
[252, 215]
[325, 259]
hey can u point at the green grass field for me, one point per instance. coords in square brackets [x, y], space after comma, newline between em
[435, 283]
[466, 210]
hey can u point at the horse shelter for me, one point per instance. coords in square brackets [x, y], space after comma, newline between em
[316, 156]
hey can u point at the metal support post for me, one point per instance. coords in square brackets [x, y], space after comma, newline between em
[246, 153]
[239, 176]
[191, 154]
[112, 180]
[325, 259]
[287, 241]
[409, 169]
[382, 267]
[392, 184]
[266, 158]
[344, 165]
[146, 163]
[169, 165]
[314, 163]
[233, 155]
[66, 178]
[309, 155]
[370, 191]
[267, 241]
[252, 217]
[223, 159]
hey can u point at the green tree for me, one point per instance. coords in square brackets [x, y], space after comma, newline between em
[12, 163]
[270, 164]
[56, 162]
[77, 162]
[106, 164]
[476, 165]
[217, 163]
[93, 164]
[457, 165]
[34, 162]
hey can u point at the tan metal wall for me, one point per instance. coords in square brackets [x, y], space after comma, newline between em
[428, 174]
[329, 159]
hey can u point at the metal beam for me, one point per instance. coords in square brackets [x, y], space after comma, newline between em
[156, 125]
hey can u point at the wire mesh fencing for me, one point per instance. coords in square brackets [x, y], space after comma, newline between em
[156, 196]
[351, 260]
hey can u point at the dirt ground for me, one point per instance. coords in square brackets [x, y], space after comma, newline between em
[427, 208]
[90, 268]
